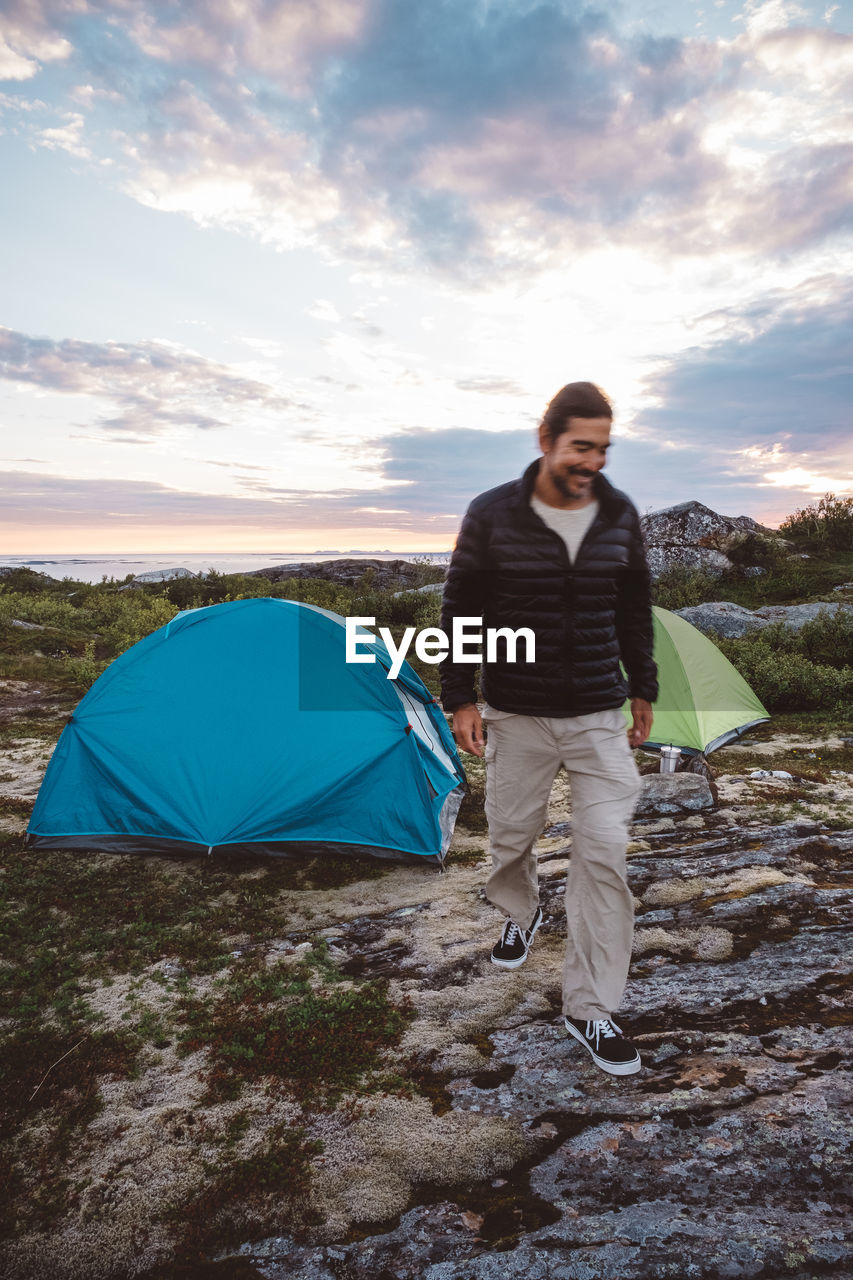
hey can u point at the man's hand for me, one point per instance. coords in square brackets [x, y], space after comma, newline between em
[642, 726]
[468, 729]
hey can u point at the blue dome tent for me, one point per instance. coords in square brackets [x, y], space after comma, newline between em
[240, 727]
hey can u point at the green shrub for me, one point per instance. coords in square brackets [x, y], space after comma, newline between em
[788, 681]
[326, 595]
[790, 580]
[83, 671]
[428, 612]
[27, 581]
[754, 548]
[826, 641]
[46, 610]
[416, 609]
[680, 588]
[787, 579]
[136, 618]
[827, 523]
[214, 588]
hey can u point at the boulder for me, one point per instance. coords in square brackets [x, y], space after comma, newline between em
[662, 558]
[723, 618]
[158, 575]
[692, 535]
[796, 616]
[674, 793]
[431, 588]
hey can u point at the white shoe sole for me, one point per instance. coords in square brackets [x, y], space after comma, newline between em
[516, 964]
[612, 1068]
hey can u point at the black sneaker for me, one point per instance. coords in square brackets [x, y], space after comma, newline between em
[609, 1050]
[515, 942]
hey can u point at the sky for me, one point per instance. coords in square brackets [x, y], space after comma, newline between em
[304, 275]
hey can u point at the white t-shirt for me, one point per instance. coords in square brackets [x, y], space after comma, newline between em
[570, 525]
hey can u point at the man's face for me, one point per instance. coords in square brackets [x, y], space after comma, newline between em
[571, 461]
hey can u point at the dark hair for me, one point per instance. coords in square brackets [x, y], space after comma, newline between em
[575, 400]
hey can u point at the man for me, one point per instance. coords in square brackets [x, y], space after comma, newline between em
[560, 551]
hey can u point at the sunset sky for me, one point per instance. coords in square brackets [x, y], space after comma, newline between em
[304, 275]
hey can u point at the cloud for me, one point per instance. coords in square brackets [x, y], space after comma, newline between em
[766, 404]
[480, 141]
[491, 386]
[14, 66]
[429, 479]
[69, 502]
[66, 137]
[66, 504]
[322, 309]
[86, 95]
[366, 326]
[155, 386]
[236, 466]
[289, 42]
[763, 16]
[443, 470]
[30, 36]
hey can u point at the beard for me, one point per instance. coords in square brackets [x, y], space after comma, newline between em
[563, 482]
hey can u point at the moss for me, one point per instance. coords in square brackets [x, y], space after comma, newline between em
[253, 1189]
[69, 915]
[806, 764]
[50, 1077]
[274, 1022]
[40, 1067]
[469, 857]
[14, 806]
[30, 723]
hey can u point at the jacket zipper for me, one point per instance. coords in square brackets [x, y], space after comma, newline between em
[568, 600]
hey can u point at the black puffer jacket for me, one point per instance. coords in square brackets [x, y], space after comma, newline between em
[512, 570]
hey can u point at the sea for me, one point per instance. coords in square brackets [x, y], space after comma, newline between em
[96, 568]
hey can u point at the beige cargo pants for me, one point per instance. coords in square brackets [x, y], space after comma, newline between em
[523, 756]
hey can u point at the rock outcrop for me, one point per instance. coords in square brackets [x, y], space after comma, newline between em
[692, 535]
[31, 576]
[494, 1148]
[796, 616]
[723, 618]
[159, 575]
[385, 575]
[429, 589]
[729, 1154]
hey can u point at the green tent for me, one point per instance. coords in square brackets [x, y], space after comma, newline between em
[703, 701]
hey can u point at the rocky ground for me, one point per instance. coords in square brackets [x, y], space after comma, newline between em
[495, 1147]
[729, 1154]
